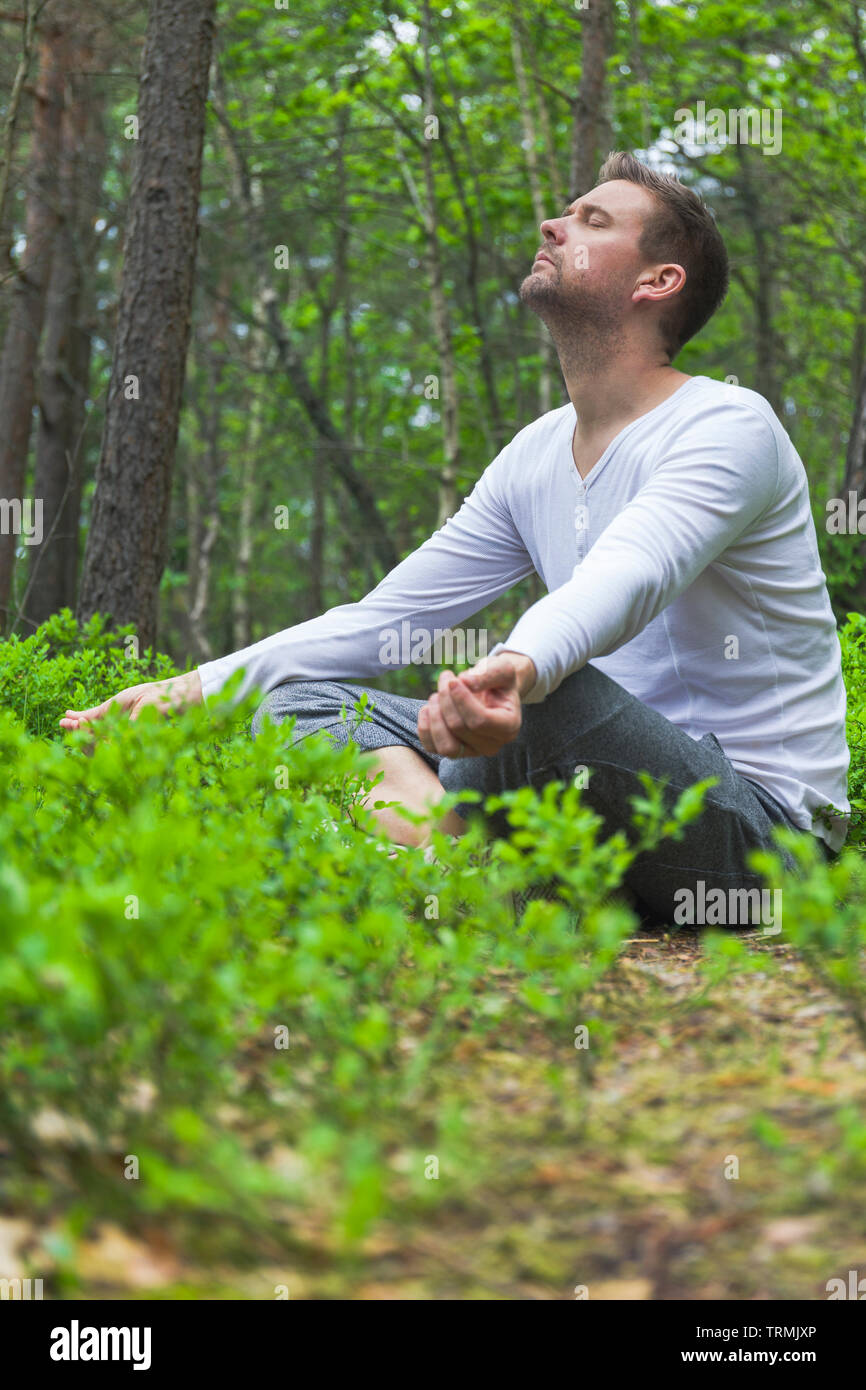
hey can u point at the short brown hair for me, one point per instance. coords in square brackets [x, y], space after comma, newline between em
[682, 229]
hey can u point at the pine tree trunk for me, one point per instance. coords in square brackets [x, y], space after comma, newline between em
[539, 211]
[591, 135]
[126, 546]
[241, 618]
[24, 326]
[66, 351]
[448, 404]
[203, 513]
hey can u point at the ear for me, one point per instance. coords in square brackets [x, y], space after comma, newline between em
[659, 284]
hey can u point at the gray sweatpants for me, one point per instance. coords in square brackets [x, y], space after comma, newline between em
[588, 722]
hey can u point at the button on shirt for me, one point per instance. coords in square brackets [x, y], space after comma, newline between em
[685, 566]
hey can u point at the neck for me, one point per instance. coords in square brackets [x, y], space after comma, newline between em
[610, 383]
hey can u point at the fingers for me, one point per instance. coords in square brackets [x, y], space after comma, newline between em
[433, 727]
[452, 723]
[424, 729]
[446, 743]
[76, 718]
[491, 672]
[429, 739]
[462, 711]
[95, 712]
[456, 720]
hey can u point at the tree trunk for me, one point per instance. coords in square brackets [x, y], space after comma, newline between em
[24, 327]
[427, 209]
[496, 431]
[241, 619]
[765, 239]
[126, 546]
[637, 61]
[591, 132]
[10, 121]
[202, 494]
[855, 455]
[855, 462]
[66, 351]
[530, 140]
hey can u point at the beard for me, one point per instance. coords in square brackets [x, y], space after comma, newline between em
[584, 318]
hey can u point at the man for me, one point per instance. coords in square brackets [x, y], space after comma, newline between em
[687, 630]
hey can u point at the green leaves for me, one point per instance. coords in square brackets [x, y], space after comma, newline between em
[87, 664]
[169, 908]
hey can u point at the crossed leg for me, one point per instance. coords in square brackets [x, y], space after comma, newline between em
[589, 721]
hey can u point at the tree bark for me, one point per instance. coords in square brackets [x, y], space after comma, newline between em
[855, 454]
[530, 138]
[427, 210]
[203, 476]
[591, 131]
[765, 239]
[126, 546]
[241, 617]
[24, 326]
[10, 119]
[65, 366]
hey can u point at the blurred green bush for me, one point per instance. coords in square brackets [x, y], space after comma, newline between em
[204, 954]
[203, 946]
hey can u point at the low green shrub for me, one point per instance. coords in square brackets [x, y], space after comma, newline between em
[69, 665]
[824, 915]
[853, 639]
[211, 974]
[197, 969]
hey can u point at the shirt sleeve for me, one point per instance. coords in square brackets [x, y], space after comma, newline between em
[714, 481]
[473, 558]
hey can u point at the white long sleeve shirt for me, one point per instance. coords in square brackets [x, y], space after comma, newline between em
[685, 566]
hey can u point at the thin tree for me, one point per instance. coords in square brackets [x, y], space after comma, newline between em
[27, 311]
[64, 369]
[126, 545]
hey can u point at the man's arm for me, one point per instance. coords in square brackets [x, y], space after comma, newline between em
[471, 560]
[715, 480]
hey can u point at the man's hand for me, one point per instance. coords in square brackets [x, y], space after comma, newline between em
[175, 693]
[477, 713]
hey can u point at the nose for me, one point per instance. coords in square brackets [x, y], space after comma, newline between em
[553, 231]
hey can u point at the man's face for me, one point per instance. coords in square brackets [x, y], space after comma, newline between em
[589, 266]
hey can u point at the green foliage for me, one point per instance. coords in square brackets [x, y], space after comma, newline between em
[823, 915]
[67, 665]
[176, 899]
[208, 963]
[853, 640]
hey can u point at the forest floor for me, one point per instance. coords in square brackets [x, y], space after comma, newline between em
[719, 1155]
